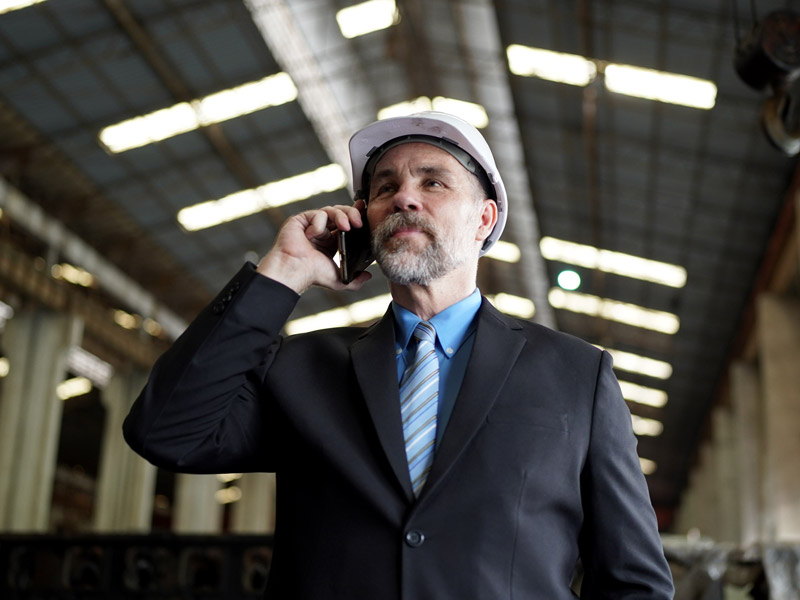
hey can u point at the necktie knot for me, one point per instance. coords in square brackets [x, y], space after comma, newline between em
[425, 332]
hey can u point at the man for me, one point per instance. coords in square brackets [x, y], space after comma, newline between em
[448, 451]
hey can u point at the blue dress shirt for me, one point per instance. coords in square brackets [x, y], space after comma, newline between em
[455, 334]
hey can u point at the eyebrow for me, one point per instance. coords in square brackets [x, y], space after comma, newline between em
[424, 170]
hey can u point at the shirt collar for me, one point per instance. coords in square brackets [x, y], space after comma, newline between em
[452, 324]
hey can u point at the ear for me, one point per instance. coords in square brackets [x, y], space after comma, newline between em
[488, 219]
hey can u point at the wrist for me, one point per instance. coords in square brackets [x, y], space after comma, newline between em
[288, 270]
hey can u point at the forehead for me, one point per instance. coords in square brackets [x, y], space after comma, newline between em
[418, 155]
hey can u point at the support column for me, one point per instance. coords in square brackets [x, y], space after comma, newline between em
[37, 342]
[689, 512]
[707, 493]
[126, 482]
[747, 414]
[196, 507]
[779, 350]
[255, 512]
[725, 476]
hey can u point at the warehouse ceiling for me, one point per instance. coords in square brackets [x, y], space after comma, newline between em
[696, 188]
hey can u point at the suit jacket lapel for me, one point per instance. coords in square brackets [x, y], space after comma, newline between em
[376, 370]
[494, 353]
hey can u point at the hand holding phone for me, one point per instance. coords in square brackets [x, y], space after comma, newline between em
[355, 252]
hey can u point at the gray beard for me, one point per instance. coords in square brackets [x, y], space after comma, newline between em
[402, 263]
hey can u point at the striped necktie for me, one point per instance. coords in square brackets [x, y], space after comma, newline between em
[419, 404]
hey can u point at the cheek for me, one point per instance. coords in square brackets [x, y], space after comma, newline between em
[374, 216]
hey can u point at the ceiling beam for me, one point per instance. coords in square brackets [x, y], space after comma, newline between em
[33, 219]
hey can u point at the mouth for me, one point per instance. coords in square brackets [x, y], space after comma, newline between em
[405, 231]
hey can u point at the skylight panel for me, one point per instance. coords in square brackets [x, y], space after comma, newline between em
[11, 5]
[366, 17]
[609, 261]
[630, 80]
[187, 116]
[614, 310]
[248, 202]
[474, 114]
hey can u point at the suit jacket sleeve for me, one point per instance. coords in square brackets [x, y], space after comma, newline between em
[200, 411]
[621, 551]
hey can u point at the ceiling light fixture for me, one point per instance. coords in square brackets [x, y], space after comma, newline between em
[634, 363]
[6, 312]
[617, 263]
[11, 5]
[569, 280]
[228, 495]
[362, 311]
[248, 202]
[505, 252]
[126, 320]
[364, 18]
[474, 114]
[5, 367]
[187, 116]
[649, 427]
[552, 66]
[577, 70]
[614, 310]
[658, 85]
[365, 311]
[648, 466]
[70, 388]
[72, 274]
[640, 394]
[515, 306]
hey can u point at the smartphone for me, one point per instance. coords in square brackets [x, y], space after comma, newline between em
[355, 252]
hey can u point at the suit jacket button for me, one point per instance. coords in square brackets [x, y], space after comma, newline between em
[218, 308]
[415, 538]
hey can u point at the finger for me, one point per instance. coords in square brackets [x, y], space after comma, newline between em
[359, 281]
[343, 217]
[317, 227]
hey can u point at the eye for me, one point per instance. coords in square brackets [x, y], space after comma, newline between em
[382, 189]
[433, 183]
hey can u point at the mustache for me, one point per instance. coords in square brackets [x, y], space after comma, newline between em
[391, 224]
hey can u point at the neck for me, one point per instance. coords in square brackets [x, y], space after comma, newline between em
[427, 301]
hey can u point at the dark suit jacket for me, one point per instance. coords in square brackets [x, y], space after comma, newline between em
[537, 466]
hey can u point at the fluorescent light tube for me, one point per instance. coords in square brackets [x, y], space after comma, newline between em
[649, 427]
[661, 86]
[614, 310]
[187, 116]
[552, 66]
[634, 363]
[248, 202]
[362, 311]
[505, 251]
[515, 306]
[609, 261]
[364, 18]
[472, 113]
[641, 394]
[577, 70]
[11, 5]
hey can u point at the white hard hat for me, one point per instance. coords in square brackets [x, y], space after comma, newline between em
[448, 132]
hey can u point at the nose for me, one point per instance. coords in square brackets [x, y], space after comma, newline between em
[406, 198]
